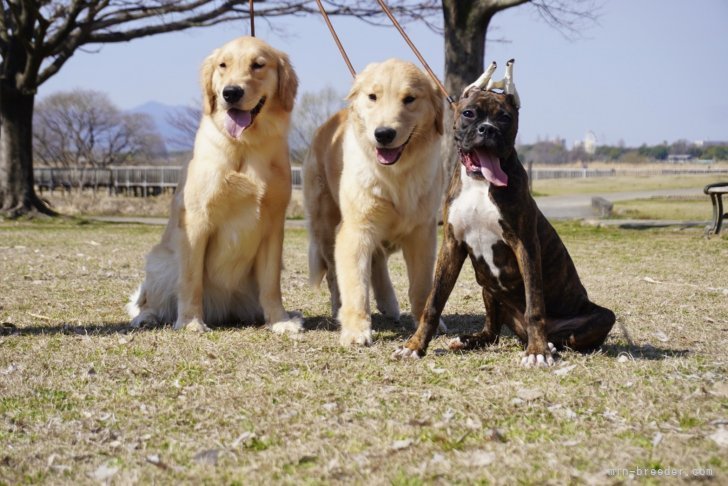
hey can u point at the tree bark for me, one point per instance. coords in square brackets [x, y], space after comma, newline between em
[466, 23]
[465, 28]
[17, 192]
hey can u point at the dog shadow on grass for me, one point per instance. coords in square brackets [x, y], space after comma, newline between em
[645, 352]
[387, 329]
[101, 329]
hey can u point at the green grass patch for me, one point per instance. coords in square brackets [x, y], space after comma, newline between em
[79, 390]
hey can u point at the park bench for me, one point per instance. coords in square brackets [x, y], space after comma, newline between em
[716, 192]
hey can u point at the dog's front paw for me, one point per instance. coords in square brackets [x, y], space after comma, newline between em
[293, 325]
[355, 338]
[539, 360]
[403, 353]
[191, 325]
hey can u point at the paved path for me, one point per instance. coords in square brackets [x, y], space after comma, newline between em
[577, 206]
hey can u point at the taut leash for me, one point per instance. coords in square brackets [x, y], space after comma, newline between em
[336, 38]
[414, 49]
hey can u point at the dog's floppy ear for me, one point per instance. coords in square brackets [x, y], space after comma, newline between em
[208, 93]
[287, 82]
[359, 80]
[438, 103]
[513, 100]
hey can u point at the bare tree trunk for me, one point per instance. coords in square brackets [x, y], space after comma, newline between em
[466, 23]
[465, 28]
[17, 194]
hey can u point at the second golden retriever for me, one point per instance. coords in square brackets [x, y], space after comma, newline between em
[219, 261]
[373, 182]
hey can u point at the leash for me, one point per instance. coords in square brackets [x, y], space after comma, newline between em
[336, 38]
[404, 35]
[252, 18]
[414, 49]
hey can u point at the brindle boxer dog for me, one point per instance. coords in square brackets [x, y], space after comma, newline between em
[529, 281]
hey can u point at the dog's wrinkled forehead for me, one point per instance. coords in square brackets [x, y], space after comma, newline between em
[488, 102]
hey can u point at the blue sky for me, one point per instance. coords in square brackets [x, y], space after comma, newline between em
[648, 71]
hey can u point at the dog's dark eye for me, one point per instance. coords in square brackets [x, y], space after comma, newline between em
[468, 114]
[257, 65]
[408, 99]
[223, 65]
[373, 97]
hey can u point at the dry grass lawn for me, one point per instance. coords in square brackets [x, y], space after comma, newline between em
[683, 208]
[85, 400]
[601, 185]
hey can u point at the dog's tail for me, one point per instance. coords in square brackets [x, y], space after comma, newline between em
[136, 300]
[316, 264]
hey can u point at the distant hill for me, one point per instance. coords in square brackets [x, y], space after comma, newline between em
[160, 113]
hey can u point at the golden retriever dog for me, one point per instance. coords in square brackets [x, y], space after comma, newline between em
[220, 258]
[372, 184]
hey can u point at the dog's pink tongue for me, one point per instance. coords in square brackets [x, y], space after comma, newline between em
[491, 169]
[237, 121]
[388, 156]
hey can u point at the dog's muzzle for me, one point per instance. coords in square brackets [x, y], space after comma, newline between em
[237, 121]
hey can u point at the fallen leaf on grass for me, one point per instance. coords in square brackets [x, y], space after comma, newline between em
[565, 370]
[661, 336]
[494, 435]
[208, 457]
[10, 369]
[245, 438]
[157, 461]
[657, 439]
[477, 458]
[473, 423]
[398, 445]
[719, 389]
[529, 394]
[125, 340]
[104, 472]
[720, 437]
[435, 369]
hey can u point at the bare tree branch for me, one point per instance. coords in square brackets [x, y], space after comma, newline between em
[83, 128]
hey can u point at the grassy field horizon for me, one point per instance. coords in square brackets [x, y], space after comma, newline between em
[698, 208]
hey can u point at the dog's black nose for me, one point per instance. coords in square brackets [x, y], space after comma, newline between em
[232, 94]
[385, 135]
[487, 129]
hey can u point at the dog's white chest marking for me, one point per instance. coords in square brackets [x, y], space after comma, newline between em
[474, 219]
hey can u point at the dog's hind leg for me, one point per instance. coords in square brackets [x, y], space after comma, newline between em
[382, 286]
[449, 263]
[584, 333]
[320, 263]
[419, 250]
[491, 330]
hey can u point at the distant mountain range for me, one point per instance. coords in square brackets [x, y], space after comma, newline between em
[160, 114]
